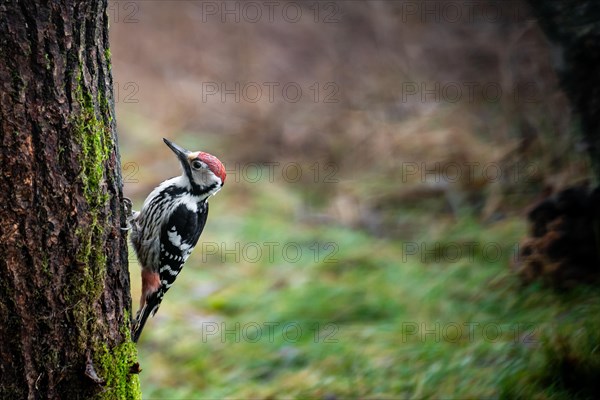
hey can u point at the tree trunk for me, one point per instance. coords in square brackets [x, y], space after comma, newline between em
[64, 285]
[574, 29]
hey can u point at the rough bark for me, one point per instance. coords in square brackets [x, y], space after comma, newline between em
[64, 284]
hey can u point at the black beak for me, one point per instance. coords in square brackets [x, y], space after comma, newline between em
[179, 151]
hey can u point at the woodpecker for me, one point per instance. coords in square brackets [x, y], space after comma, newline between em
[165, 231]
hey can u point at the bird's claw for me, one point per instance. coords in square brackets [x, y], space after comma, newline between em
[128, 206]
[130, 214]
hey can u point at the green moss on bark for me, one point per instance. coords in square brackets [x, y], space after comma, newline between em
[96, 145]
[114, 366]
[112, 363]
[108, 56]
[94, 138]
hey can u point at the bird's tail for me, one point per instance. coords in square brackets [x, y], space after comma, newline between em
[148, 310]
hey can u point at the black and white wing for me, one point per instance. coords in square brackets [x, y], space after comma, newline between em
[178, 238]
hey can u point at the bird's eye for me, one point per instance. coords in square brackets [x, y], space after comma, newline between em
[197, 164]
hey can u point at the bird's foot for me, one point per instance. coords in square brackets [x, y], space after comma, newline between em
[130, 214]
[128, 206]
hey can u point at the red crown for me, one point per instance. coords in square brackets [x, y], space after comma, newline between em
[214, 164]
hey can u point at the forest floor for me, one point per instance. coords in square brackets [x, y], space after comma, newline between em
[275, 305]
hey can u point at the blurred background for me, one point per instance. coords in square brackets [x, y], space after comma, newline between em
[382, 157]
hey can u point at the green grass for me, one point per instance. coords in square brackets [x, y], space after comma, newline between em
[356, 316]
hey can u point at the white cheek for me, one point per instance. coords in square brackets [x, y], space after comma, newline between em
[212, 178]
[219, 186]
[206, 178]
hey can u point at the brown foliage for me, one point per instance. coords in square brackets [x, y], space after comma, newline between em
[563, 247]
